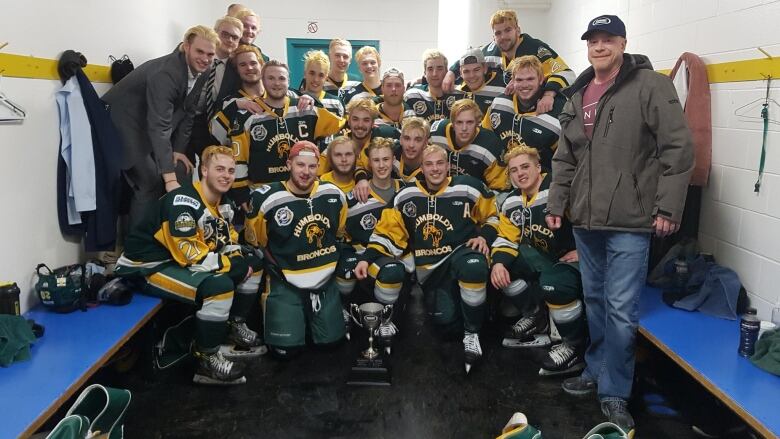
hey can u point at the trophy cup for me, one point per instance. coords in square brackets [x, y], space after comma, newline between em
[370, 368]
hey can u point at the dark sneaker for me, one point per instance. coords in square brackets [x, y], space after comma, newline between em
[616, 410]
[579, 386]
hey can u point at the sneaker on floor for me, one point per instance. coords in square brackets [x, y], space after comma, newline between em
[531, 331]
[472, 351]
[562, 359]
[579, 386]
[616, 411]
[214, 368]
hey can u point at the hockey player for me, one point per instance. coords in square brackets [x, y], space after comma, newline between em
[532, 264]
[315, 70]
[509, 43]
[392, 109]
[341, 155]
[269, 133]
[438, 221]
[480, 84]
[472, 151]
[340, 54]
[297, 223]
[428, 100]
[369, 64]
[514, 118]
[415, 133]
[361, 221]
[187, 250]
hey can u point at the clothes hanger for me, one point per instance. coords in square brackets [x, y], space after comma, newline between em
[17, 112]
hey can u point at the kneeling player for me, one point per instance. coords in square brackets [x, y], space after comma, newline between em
[438, 220]
[187, 250]
[387, 274]
[297, 223]
[532, 264]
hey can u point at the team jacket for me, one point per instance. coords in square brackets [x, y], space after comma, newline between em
[361, 90]
[361, 164]
[557, 74]
[182, 227]
[424, 105]
[363, 217]
[433, 225]
[268, 137]
[521, 222]
[511, 123]
[334, 87]
[481, 159]
[493, 87]
[299, 233]
[384, 119]
[402, 170]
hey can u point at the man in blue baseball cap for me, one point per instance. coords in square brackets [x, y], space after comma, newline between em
[624, 133]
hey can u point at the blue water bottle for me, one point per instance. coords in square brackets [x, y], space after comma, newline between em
[749, 326]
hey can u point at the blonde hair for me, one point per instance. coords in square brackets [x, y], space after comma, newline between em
[378, 143]
[526, 62]
[434, 148]
[316, 57]
[416, 123]
[503, 15]
[462, 105]
[515, 149]
[364, 104]
[243, 13]
[204, 32]
[274, 63]
[365, 51]
[340, 42]
[433, 54]
[247, 48]
[230, 21]
[208, 154]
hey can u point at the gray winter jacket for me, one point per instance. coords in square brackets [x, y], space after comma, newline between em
[639, 161]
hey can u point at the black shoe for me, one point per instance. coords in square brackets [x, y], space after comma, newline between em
[579, 386]
[617, 411]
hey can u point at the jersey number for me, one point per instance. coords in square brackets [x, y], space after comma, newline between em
[189, 250]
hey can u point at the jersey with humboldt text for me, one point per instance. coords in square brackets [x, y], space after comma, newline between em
[493, 86]
[426, 106]
[363, 217]
[521, 222]
[300, 233]
[270, 135]
[182, 227]
[434, 224]
[361, 90]
[512, 123]
[482, 158]
[557, 74]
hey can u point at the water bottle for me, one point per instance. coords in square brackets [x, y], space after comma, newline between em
[749, 326]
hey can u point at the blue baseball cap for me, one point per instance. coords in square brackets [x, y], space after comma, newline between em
[610, 24]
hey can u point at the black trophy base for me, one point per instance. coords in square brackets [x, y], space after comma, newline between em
[365, 372]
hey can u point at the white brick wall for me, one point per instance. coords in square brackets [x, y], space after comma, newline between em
[740, 227]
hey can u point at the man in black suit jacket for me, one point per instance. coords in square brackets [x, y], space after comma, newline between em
[152, 108]
[226, 82]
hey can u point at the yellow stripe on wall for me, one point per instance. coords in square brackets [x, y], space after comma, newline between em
[745, 70]
[22, 66]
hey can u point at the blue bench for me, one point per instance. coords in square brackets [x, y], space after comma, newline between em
[706, 348]
[73, 348]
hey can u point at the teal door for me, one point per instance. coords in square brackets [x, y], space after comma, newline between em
[297, 48]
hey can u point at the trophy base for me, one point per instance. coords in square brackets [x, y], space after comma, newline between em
[374, 372]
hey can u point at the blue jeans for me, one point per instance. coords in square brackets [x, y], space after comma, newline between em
[614, 269]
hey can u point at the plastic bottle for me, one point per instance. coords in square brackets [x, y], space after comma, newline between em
[749, 326]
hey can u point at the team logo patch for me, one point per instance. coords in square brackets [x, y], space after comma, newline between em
[601, 21]
[184, 223]
[184, 200]
[419, 107]
[368, 222]
[507, 77]
[410, 209]
[259, 133]
[263, 189]
[283, 216]
[432, 233]
[516, 218]
[450, 101]
[543, 52]
[495, 120]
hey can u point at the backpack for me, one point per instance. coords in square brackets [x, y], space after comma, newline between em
[120, 67]
[64, 289]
